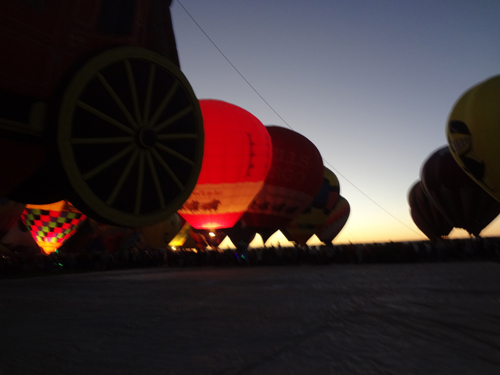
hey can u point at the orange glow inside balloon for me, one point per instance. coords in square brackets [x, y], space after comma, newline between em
[237, 158]
[52, 224]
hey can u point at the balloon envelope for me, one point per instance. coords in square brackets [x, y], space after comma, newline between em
[425, 215]
[292, 183]
[52, 224]
[182, 236]
[335, 221]
[459, 199]
[237, 158]
[160, 234]
[473, 134]
[301, 228]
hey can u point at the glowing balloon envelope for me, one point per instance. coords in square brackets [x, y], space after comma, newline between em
[52, 224]
[473, 133]
[292, 183]
[237, 158]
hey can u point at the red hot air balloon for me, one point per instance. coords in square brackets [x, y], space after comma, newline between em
[461, 200]
[425, 214]
[237, 157]
[292, 183]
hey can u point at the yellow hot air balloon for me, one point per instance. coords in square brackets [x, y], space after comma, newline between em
[473, 133]
[182, 236]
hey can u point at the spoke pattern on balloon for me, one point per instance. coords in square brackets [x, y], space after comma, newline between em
[117, 100]
[165, 101]
[123, 176]
[149, 92]
[109, 162]
[105, 117]
[171, 120]
[140, 181]
[96, 141]
[175, 153]
[172, 137]
[133, 91]
[156, 181]
[167, 169]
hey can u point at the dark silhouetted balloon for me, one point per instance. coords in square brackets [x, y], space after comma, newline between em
[301, 228]
[459, 198]
[292, 183]
[335, 222]
[425, 215]
[160, 234]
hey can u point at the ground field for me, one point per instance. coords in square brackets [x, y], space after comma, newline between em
[422, 318]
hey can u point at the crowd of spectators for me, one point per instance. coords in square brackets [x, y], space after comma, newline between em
[135, 253]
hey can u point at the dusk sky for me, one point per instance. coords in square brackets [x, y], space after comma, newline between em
[370, 83]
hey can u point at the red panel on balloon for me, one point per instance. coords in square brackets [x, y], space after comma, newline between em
[292, 183]
[237, 157]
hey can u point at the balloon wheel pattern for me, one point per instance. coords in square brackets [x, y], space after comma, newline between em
[130, 137]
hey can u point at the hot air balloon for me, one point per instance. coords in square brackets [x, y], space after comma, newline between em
[159, 235]
[425, 215]
[182, 236]
[462, 201]
[302, 228]
[52, 224]
[10, 213]
[473, 133]
[335, 221]
[293, 181]
[237, 158]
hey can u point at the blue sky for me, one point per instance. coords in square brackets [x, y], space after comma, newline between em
[370, 83]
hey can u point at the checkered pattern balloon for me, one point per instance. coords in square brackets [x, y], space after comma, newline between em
[50, 227]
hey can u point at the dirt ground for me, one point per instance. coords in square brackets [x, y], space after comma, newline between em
[423, 318]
